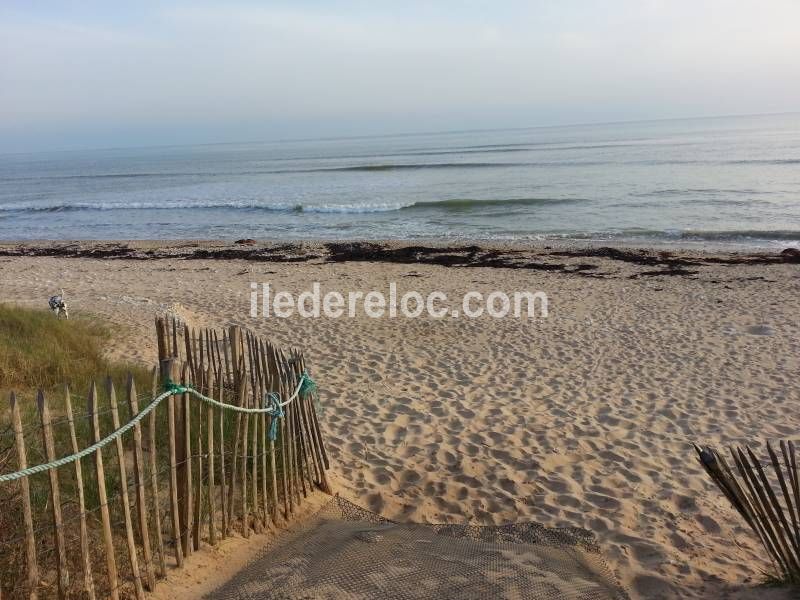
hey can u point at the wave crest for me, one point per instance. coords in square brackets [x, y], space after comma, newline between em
[447, 204]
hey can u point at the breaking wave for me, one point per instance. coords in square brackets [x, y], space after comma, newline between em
[460, 204]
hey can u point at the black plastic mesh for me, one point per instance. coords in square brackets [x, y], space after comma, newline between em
[346, 552]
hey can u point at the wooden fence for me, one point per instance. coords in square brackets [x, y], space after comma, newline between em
[766, 493]
[189, 473]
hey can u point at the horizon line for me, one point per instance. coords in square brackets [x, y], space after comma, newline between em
[396, 134]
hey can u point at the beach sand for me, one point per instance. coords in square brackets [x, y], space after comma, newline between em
[585, 418]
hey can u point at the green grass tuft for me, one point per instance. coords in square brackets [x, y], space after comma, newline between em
[39, 351]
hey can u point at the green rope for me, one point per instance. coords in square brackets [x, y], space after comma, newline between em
[276, 412]
[170, 388]
[307, 385]
[174, 388]
[86, 451]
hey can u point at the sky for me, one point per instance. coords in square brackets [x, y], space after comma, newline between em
[85, 74]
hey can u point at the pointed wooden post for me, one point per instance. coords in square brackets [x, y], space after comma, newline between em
[317, 435]
[224, 357]
[162, 564]
[288, 441]
[88, 581]
[222, 479]
[255, 420]
[141, 498]
[108, 540]
[55, 495]
[313, 474]
[25, 493]
[237, 380]
[245, 509]
[186, 483]
[254, 476]
[212, 508]
[168, 371]
[270, 374]
[126, 505]
[262, 378]
[187, 344]
[198, 480]
[174, 337]
[278, 386]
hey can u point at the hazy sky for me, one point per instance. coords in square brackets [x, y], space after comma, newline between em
[95, 74]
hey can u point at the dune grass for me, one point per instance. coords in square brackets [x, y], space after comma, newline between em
[38, 351]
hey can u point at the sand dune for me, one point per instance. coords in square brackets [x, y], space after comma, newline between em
[585, 418]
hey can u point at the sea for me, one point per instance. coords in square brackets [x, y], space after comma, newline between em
[711, 182]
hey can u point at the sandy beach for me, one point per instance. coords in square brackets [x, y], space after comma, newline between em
[584, 418]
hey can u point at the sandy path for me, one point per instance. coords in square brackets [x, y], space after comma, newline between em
[584, 418]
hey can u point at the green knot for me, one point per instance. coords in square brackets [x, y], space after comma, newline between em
[307, 385]
[174, 388]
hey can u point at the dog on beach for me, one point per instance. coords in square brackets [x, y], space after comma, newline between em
[59, 306]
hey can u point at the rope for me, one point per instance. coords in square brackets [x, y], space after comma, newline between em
[86, 451]
[305, 386]
[275, 407]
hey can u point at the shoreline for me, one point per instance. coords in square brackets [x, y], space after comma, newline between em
[591, 261]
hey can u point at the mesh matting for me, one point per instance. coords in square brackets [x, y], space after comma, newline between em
[346, 552]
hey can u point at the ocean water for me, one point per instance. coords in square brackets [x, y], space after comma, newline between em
[710, 182]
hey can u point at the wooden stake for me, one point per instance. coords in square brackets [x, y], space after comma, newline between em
[212, 509]
[55, 495]
[226, 357]
[262, 379]
[201, 351]
[186, 484]
[141, 499]
[88, 581]
[290, 442]
[306, 406]
[315, 435]
[286, 469]
[257, 522]
[234, 463]
[198, 486]
[168, 367]
[312, 476]
[746, 473]
[222, 479]
[255, 419]
[285, 475]
[111, 562]
[775, 513]
[25, 493]
[161, 340]
[273, 466]
[245, 509]
[126, 506]
[233, 338]
[298, 451]
[190, 359]
[151, 430]
[787, 499]
[237, 401]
